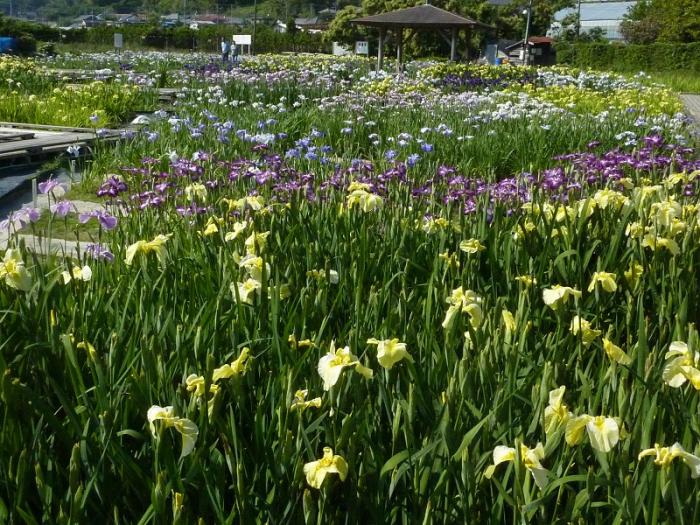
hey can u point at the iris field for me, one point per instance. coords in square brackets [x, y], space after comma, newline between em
[321, 295]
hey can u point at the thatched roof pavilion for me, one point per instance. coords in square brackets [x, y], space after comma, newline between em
[422, 17]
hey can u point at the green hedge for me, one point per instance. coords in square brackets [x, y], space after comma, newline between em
[627, 57]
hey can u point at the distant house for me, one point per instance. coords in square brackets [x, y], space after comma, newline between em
[170, 20]
[312, 24]
[89, 21]
[126, 19]
[540, 49]
[279, 27]
[605, 15]
[327, 14]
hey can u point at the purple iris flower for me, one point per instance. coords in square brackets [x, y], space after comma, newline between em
[390, 154]
[51, 184]
[426, 147]
[98, 251]
[112, 187]
[61, 208]
[106, 220]
[412, 159]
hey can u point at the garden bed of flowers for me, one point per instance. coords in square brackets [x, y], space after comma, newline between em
[322, 295]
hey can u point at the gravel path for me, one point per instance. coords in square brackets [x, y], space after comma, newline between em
[692, 107]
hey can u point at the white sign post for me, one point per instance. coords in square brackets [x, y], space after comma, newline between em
[243, 40]
[118, 43]
[361, 47]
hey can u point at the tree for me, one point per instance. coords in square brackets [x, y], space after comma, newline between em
[341, 30]
[645, 31]
[662, 20]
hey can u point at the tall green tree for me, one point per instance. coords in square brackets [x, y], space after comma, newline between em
[663, 21]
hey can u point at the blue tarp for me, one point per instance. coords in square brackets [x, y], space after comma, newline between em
[7, 44]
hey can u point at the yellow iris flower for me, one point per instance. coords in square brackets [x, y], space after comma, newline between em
[254, 265]
[471, 246]
[13, 271]
[614, 199]
[300, 403]
[316, 471]
[331, 365]
[238, 228]
[236, 367]
[526, 280]
[606, 280]
[304, 343]
[246, 290]
[603, 432]
[365, 200]
[465, 301]
[682, 365]
[666, 455]
[588, 334]
[254, 202]
[633, 274]
[196, 191]
[557, 295]
[615, 352]
[196, 384]
[556, 413]
[157, 245]
[654, 243]
[530, 458]
[187, 429]
[77, 273]
[390, 351]
[508, 321]
[255, 243]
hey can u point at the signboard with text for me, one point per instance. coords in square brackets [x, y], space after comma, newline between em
[118, 40]
[361, 47]
[242, 40]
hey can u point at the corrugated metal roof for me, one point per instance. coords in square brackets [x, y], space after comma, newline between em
[598, 11]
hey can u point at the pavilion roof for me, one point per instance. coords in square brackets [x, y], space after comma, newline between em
[419, 17]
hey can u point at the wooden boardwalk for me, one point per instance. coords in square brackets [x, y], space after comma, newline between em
[28, 143]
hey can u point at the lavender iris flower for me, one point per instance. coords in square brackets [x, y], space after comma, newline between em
[62, 208]
[98, 251]
[51, 185]
[106, 220]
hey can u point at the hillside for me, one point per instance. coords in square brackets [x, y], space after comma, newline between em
[63, 11]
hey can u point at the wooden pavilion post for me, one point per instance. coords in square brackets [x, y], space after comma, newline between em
[380, 51]
[453, 45]
[399, 49]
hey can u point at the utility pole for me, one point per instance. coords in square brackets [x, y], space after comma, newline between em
[255, 25]
[526, 54]
[578, 21]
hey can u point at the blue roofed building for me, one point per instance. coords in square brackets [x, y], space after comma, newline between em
[606, 15]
